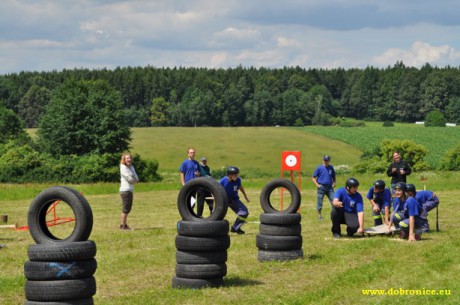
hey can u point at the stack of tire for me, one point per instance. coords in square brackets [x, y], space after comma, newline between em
[201, 243]
[60, 271]
[279, 237]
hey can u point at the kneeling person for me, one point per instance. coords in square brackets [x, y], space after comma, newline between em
[347, 208]
[232, 183]
[407, 214]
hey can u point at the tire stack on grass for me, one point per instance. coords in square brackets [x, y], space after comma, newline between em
[279, 237]
[201, 243]
[60, 271]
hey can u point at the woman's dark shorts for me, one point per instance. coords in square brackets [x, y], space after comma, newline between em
[126, 201]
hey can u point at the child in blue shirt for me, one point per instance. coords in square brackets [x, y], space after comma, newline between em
[380, 198]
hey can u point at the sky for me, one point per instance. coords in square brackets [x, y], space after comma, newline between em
[38, 35]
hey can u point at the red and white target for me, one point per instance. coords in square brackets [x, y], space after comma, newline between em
[290, 160]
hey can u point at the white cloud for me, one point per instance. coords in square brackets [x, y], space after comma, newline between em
[419, 54]
[284, 42]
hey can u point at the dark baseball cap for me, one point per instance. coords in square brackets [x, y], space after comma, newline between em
[326, 158]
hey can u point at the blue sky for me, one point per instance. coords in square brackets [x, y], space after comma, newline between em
[61, 34]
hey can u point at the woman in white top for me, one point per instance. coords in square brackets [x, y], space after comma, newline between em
[128, 178]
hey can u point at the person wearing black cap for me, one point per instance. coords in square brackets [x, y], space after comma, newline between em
[324, 179]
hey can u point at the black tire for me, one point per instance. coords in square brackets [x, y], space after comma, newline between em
[204, 244]
[64, 270]
[280, 230]
[280, 219]
[266, 192]
[203, 228]
[52, 291]
[267, 255]
[80, 207]
[178, 282]
[87, 301]
[63, 251]
[200, 257]
[202, 184]
[267, 242]
[203, 271]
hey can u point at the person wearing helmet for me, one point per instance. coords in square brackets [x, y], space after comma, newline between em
[232, 183]
[427, 199]
[324, 180]
[407, 214]
[380, 198]
[398, 170]
[347, 208]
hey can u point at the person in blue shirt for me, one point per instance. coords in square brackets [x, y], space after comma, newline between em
[232, 183]
[380, 198]
[347, 208]
[324, 179]
[190, 168]
[407, 214]
[427, 199]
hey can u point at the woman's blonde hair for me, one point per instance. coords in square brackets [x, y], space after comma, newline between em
[123, 158]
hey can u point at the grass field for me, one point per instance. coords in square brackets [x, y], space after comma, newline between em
[137, 267]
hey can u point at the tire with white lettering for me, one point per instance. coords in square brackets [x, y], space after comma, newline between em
[178, 282]
[62, 251]
[200, 185]
[203, 228]
[280, 219]
[42, 202]
[56, 291]
[275, 184]
[59, 270]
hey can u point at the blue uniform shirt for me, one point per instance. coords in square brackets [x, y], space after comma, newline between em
[324, 174]
[189, 167]
[412, 207]
[352, 203]
[423, 196]
[382, 197]
[231, 187]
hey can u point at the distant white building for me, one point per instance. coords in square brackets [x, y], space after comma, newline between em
[447, 124]
[420, 123]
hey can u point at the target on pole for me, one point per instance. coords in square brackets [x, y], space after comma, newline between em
[290, 161]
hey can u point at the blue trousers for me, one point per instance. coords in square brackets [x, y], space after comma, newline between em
[327, 190]
[428, 206]
[377, 216]
[241, 211]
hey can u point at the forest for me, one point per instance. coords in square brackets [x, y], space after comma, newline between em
[240, 96]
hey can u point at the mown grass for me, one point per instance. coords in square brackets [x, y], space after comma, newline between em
[256, 150]
[137, 267]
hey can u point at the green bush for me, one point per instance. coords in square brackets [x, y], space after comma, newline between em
[451, 160]
[388, 124]
[371, 165]
[377, 159]
[349, 123]
[413, 153]
[435, 118]
[21, 164]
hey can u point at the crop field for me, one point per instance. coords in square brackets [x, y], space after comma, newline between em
[437, 140]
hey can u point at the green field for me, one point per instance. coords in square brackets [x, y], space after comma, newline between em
[437, 140]
[137, 267]
[256, 150]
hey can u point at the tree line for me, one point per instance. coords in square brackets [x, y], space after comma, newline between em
[290, 96]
